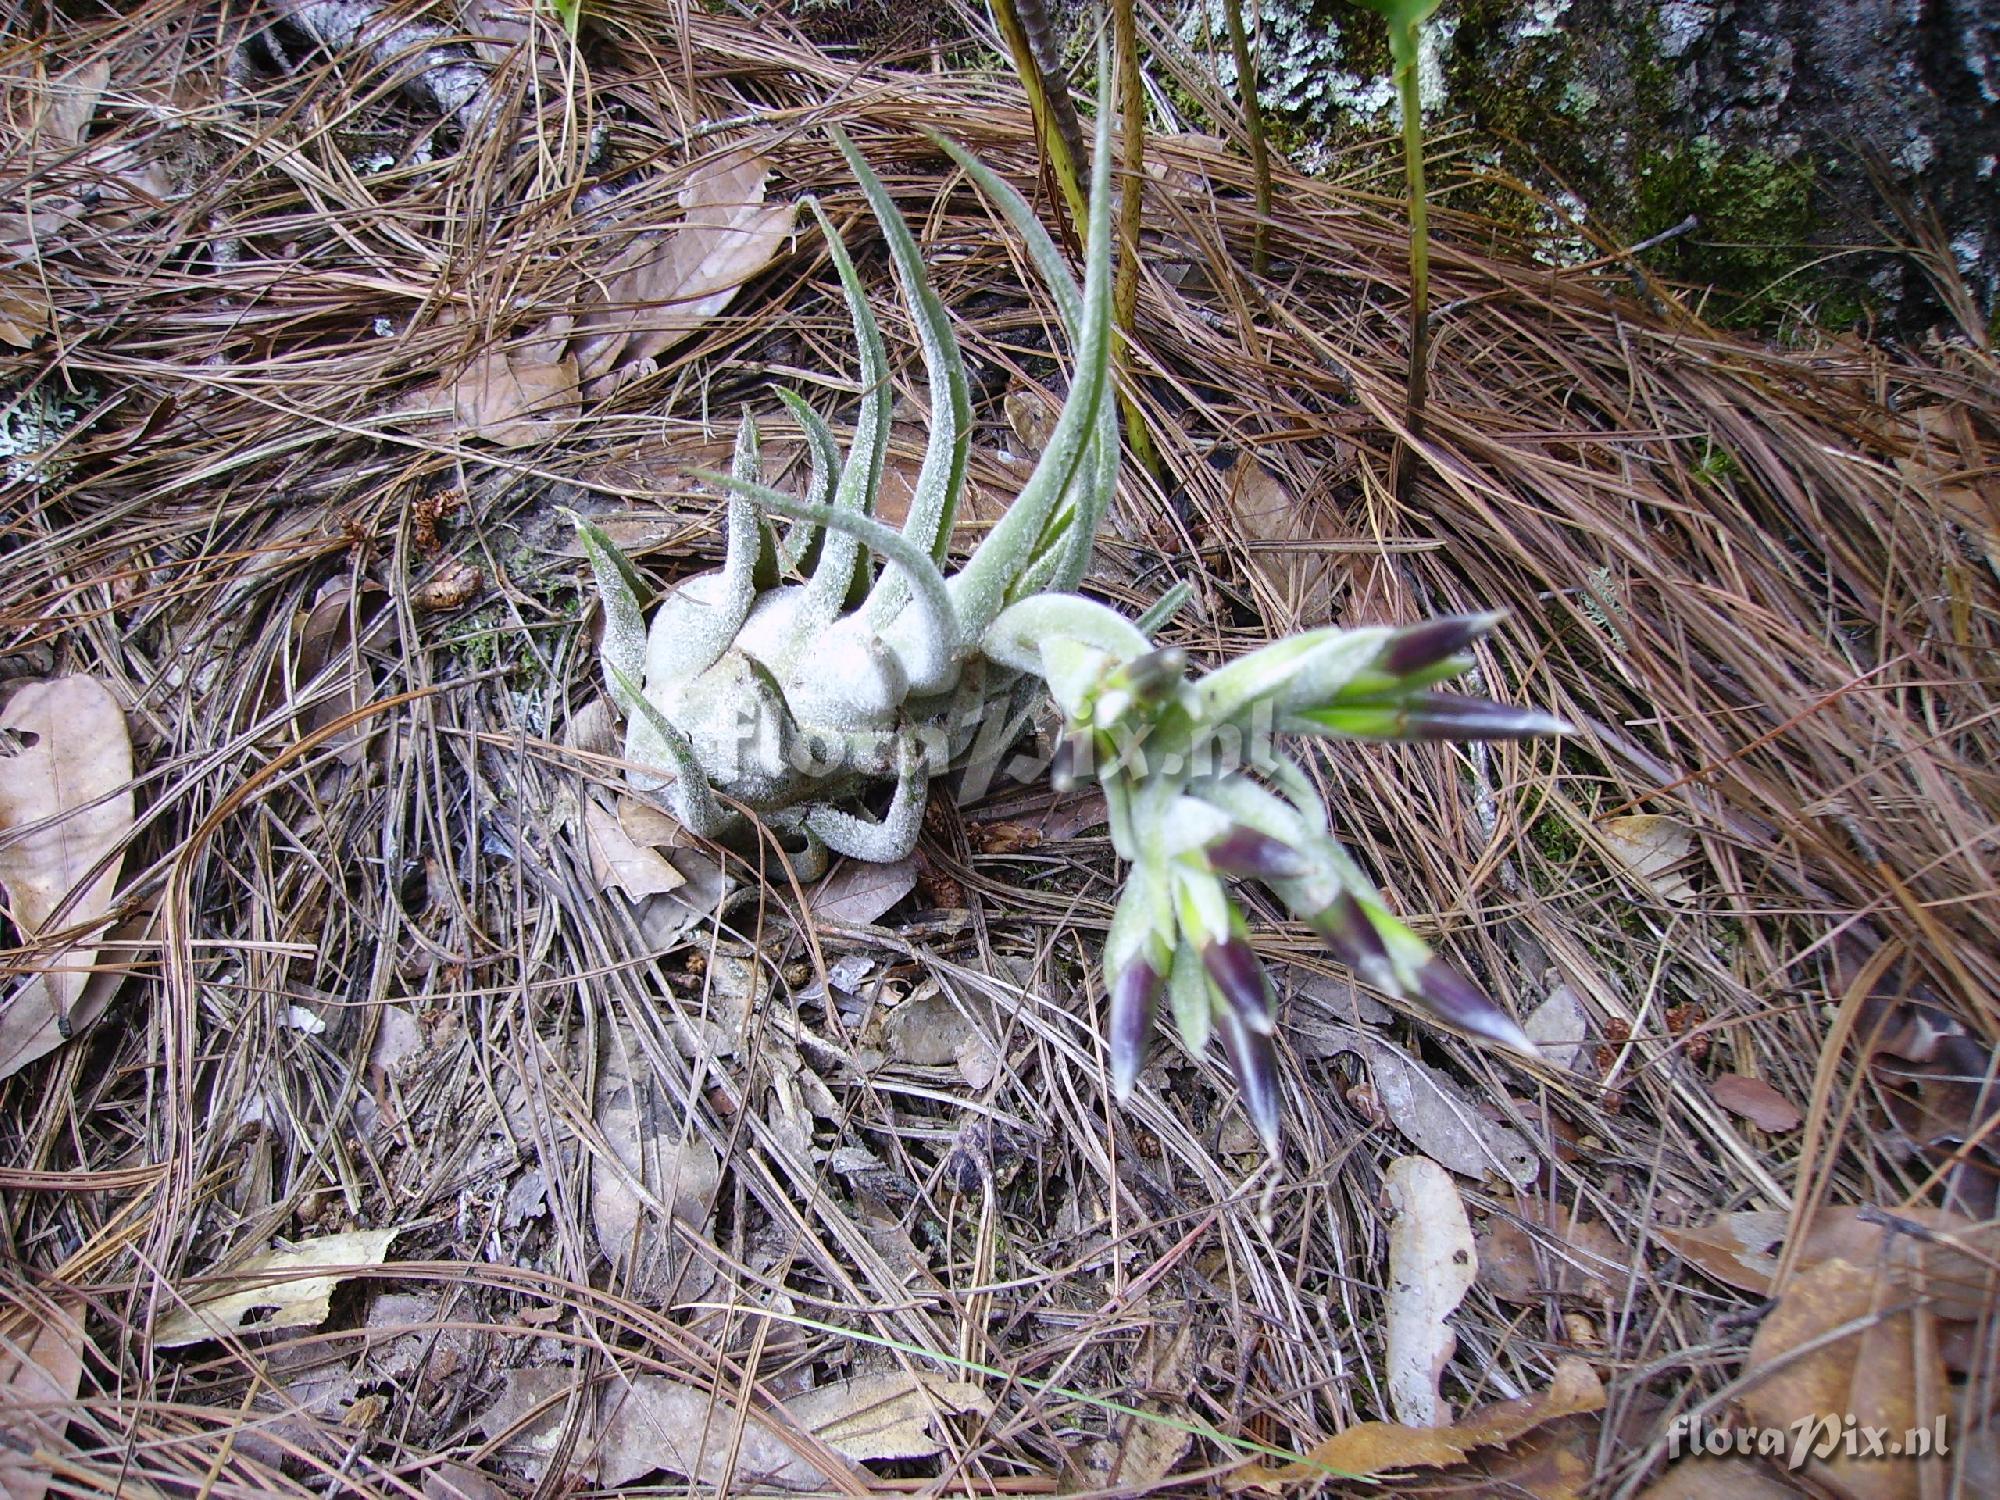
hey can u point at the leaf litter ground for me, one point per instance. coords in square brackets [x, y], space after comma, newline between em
[645, 1162]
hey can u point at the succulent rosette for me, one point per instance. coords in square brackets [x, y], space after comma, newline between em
[816, 666]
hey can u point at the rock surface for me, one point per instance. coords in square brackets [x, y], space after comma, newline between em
[1762, 117]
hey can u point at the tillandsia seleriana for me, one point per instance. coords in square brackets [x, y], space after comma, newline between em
[786, 685]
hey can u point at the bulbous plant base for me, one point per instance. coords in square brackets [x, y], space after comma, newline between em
[749, 697]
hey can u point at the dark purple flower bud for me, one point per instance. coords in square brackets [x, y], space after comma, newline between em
[1457, 1001]
[1252, 855]
[1073, 760]
[1236, 972]
[1425, 645]
[1254, 1061]
[1355, 942]
[1448, 716]
[1150, 675]
[1133, 994]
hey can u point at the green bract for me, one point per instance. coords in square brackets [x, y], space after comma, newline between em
[798, 676]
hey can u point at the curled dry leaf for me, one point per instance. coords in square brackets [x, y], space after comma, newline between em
[1756, 1101]
[65, 808]
[1384, 1447]
[1432, 1263]
[451, 587]
[279, 1296]
[665, 287]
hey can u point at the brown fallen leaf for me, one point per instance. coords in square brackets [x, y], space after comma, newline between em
[1756, 1101]
[617, 859]
[932, 1030]
[1704, 1477]
[858, 893]
[1948, 1255]
[332, 676]
[1432, 1263]
[41, 1364]
[1276, 523]
[1737, 1249]
[65, 808]
[1369, 1448]
[279, 1297]
[651, 1423]
[1947, 468]
[25, 314]
[1438, 1117]
[657, 1170]
[1582, 1258]
[1031, 414]
[665, 287]
[1561, 1027]
[1887, 1375]
[456, 1481]
[513, 398]
[1557, 1461]
[1650, 847]
[888, 1415]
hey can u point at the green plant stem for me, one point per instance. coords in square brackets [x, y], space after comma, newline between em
[1253, 121]
[1125, 287]
[1063, 158]
[1416, 388]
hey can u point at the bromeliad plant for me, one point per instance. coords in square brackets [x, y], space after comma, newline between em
[753, 697]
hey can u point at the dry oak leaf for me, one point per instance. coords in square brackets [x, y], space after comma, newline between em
[1432, 1263]
[280, 1297]
[1385, 1447]
[1756, 1101]
[1886, 1374]
[666, 287]
[65, 808]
